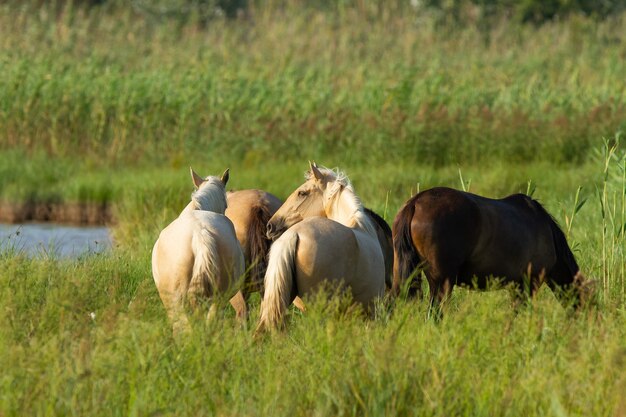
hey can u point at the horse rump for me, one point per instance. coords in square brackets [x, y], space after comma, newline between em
[406, 257]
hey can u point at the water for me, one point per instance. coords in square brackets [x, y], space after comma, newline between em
[47, 239]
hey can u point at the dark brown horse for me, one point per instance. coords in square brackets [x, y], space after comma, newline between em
[465, 239]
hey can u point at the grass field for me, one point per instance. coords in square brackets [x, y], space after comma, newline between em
[112, 106]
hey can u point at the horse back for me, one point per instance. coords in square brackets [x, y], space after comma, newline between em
[328, 250]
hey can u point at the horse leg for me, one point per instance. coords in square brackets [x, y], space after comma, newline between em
[439, 294]
[212, 313]
[299, 304]
[179, 320]
[240, 303]
[175, 309]
[440, 284]
[441, 274]
[199, 298]
[523, 292]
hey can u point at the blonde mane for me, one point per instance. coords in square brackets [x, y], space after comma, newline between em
[211, 196]
[341, 202]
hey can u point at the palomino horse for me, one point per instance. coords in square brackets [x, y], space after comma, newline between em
[326, 237]
[197, 255]
[463, 238]
[250, 210]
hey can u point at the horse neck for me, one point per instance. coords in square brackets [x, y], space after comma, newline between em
[210, 197]
[346, 208]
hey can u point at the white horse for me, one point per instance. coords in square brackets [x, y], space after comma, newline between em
[325, 236]
[197, 256]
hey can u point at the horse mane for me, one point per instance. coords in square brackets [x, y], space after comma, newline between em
[341, 186]
[378, 220]
[211, 196]
[386, 244]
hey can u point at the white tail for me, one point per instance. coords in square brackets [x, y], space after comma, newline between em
[205, 268]
[279, 281]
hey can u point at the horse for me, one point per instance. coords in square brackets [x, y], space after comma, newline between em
[249, 211]
[197, 256]
[461, 238]
[321, 235]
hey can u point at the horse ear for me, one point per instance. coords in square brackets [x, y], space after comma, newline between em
[315, 171]
[197, 179]
[225, 176]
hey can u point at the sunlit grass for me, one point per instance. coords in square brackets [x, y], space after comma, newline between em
[90, 337]
[113, 107]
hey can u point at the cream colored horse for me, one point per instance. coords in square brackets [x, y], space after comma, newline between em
[325, 236]
[197, 256]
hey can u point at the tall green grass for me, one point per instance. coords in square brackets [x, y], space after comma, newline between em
[310, 84]
[91, 338]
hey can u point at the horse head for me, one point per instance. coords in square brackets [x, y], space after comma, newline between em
[209, 192]
[306, 201]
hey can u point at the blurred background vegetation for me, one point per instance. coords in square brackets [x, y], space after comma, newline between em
[435, 82]
[93, 92]
[460, 11]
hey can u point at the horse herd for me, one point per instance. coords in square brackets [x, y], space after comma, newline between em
[246, 241]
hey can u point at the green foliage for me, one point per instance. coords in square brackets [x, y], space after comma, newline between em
[91, 338]
[534, 11]
[124, 88]
[112, 104]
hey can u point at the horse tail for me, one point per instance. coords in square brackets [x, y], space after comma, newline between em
[259, 246]
[279, 281]
[205, 270]
[406, 258]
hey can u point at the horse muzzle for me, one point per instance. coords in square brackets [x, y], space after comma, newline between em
[275, 230]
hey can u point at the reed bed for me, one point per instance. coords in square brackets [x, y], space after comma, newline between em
[124, 87]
